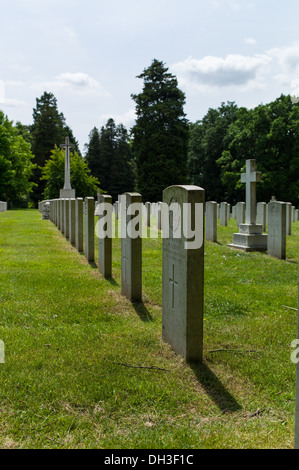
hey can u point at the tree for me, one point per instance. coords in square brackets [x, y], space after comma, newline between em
[270, 135]
[208, 139]
[16, 165]
[48, 129]
[160, 135]
[108, 155]
[81, 180]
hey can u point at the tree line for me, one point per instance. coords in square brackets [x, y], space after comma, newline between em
[162, 149]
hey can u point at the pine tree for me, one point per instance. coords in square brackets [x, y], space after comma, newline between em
[160, 133]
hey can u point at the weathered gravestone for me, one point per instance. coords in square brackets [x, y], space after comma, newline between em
[131, 246]
[79, 224]
[240, 213]
[66, 218]
[223, 213]
[289, 218]
[46, 211]
[261, 209]
[183, 270]
[211, 221]
[104, 232]
[89, 229]
[276, 229]
[250, 236]
[72, 221]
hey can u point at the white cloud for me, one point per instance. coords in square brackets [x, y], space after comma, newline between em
[287, 57]
[250, 41]
[10, 102]
[74, 82]
[233, 70]
[127, 119]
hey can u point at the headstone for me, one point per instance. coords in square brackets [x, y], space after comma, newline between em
[289, 218]
[79, 224]
[62, 215]
[159, 216]
[116, 209]
[211, 221]
[147, 220]
[72, 221]
[89, 229]
[261, 209]
[105, 236]
[183, 273]
[228, 211]
[240, 213]
[250, 236]
[276, 229]
[46, 211]
[223, 213]
[66, 218]
[67, 191]
[131, 246]
[234, 212]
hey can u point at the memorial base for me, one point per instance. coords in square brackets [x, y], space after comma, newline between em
[250, 238]
[67, 193]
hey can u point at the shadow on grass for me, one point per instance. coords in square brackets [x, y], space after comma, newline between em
[112, 281]
[215, 389]
[142, 311]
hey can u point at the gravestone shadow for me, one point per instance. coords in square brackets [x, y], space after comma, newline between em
[215, 389]
[142, 311]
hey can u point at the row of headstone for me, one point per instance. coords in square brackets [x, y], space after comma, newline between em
[3, 206]
[182, 271]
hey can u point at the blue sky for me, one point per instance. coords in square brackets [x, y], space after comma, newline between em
[89, 52]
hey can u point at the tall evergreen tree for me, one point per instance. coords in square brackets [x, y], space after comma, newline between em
[160, 135]
[108, 155]
[48, 129]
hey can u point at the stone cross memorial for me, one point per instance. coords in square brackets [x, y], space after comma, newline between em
[183, 271]
[67, 191]
[250, 236]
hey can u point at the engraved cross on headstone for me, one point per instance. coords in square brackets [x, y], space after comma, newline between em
[67, 168]
[251, 177]
[174, 283]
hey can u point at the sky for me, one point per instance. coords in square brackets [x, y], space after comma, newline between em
[88, 53]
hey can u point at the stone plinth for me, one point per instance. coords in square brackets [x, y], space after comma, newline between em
[250, 238]
[67, 193]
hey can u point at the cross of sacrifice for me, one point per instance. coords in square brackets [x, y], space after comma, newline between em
[67, 168]
[251, 177]
[174, 283]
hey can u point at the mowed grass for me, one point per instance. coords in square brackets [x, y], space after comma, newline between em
[86, 368]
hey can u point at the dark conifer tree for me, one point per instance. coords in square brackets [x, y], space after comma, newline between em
[160, 135]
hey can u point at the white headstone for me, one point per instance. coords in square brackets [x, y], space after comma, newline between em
[211, 221]
[105, 236]
[89, 229]
[183, 273]
[131, 246]
[276, 229]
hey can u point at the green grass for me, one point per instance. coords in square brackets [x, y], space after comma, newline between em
[85, 368]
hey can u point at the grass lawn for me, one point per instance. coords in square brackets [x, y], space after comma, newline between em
[85, 368]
